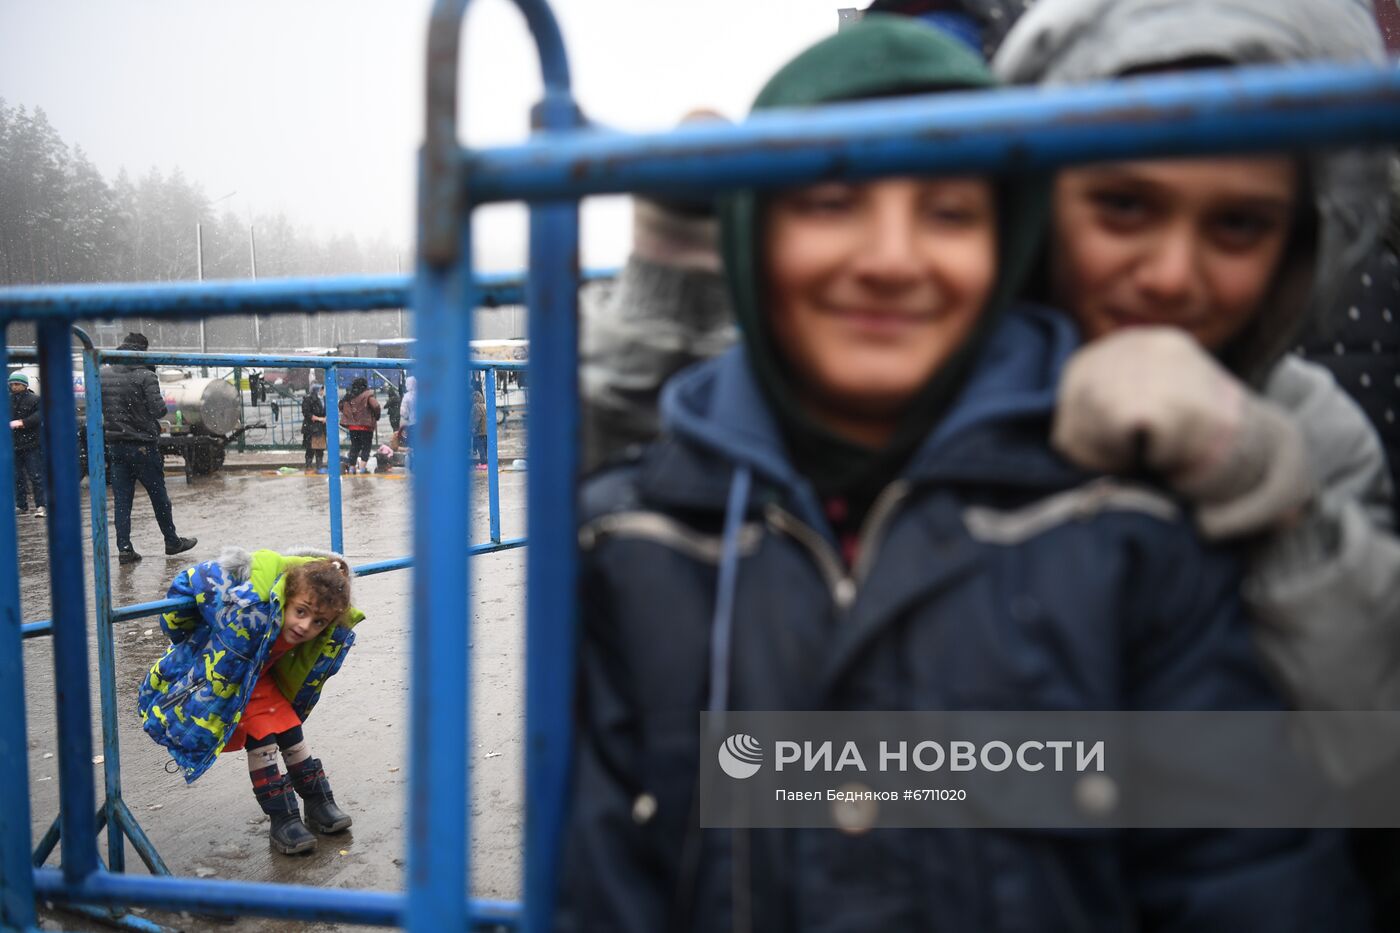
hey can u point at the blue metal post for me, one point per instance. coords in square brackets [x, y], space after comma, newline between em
[551, 600]
[439, 701]
[49, 841]
[552, 290]
[439, 823]
[70, 650]
[285, 901]
[114, 918]
[102, 598]
[493, 476]
[16, 877]
[333, 457]
[139, 840]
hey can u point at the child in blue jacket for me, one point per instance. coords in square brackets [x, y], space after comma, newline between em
[245, 668]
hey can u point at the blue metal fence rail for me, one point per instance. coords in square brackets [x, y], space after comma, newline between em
[1005, 131]
[264, 296]
[1013, 130]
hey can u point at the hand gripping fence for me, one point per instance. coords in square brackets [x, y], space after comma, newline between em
[1245, 110]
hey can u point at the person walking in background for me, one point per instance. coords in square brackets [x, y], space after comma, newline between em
[408, 411]
[359, 412]
[478, 424]
[132, 405]
[313, 427]
[24, 431]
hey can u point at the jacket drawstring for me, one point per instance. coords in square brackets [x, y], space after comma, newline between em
[721, 648]
[722, 626]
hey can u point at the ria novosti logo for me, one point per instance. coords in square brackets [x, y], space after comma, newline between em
[740, 756]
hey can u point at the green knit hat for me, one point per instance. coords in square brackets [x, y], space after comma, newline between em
[21, 378]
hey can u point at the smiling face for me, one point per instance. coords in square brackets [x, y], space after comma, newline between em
[303, 620]
[872, 287]
[1193, 243]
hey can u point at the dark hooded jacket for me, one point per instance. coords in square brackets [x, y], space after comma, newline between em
[24, 406]
[312, 407]
[132, 402]
[1045, 619]
[990, 575]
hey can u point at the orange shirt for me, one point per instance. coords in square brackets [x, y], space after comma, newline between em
[268, 711]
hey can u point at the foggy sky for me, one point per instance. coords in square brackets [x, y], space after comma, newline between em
[314, 107]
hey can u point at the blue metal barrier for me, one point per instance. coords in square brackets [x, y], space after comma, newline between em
[16, 877]
[72, 824]
[1244, 110]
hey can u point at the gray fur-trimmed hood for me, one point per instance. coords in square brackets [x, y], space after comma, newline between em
[1074, 41]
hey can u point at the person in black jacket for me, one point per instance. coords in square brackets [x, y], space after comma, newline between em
[313, 428]
[24, 427]
[132, 405]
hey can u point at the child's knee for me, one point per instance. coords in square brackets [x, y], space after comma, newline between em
[292, 737]
[294, 747]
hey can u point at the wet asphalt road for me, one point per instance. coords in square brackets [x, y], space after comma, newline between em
[214, 828]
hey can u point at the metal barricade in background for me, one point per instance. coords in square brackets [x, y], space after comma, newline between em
[114, 815]
[989, 132]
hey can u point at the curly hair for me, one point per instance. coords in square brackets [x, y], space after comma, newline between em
[324, 582]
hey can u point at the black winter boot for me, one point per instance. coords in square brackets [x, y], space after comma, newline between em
[322, 814]
[288, 834]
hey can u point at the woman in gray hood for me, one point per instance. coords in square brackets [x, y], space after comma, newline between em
[1237, 253]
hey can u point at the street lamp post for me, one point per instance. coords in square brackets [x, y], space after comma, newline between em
[253, 264]
[199, 271]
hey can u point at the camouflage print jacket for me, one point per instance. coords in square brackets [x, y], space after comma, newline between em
[195, 694]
